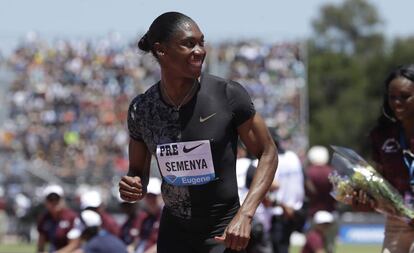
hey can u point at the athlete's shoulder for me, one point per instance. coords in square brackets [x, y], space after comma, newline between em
[384, 137]
[383, 131]
[219, 80]
[228, 85]
[143, 98]
[206, 77]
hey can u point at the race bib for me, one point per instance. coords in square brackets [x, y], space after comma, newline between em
[186, 163]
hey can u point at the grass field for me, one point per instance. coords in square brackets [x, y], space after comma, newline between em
[30, 248]
[349, 248]
[17, 248]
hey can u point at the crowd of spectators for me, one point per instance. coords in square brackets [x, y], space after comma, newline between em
[67, 105]
[275, 76]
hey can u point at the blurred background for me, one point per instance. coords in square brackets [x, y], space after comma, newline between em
[68, 70]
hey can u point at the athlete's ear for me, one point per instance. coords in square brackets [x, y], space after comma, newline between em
[159, 49]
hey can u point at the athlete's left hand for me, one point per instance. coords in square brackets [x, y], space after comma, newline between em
[237, 234]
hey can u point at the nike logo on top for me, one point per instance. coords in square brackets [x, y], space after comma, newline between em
[186, 150]
[206, 118]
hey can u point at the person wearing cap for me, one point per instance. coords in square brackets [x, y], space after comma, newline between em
[318, 186]
[54, 224]
[315, 238]
[90, 200]
[140, 230]
[95, 239]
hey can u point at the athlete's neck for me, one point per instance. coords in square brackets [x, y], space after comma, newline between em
[177, 88]
[177, 91]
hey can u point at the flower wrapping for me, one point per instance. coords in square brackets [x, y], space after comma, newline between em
[352, 173]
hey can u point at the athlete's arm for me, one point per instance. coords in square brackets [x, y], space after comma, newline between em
[256, 137]
[133, 186]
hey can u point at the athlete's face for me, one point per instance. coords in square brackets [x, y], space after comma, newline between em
[401, 98]
[184, 53]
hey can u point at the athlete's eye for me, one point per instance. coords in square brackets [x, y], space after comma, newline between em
[189, 43]
[392, 97]
[401, 98]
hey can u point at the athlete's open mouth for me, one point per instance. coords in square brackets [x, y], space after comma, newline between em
[196, 62]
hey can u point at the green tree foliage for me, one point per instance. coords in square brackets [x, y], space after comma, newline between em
[353, 27]
[343, 104]
[402, 51]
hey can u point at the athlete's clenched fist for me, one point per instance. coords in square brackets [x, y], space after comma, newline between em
[130, 188]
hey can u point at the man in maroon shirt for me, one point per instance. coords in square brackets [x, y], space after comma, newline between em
[315, 238]
[318, 186]
[90, 200]
[54, 225]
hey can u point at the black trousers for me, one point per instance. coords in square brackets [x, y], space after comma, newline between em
[280, 233]
[188, 236]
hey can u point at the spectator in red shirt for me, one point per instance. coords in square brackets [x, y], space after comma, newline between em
[54, 225]
[90, 200]
[315, 238]
[318, 189]
[95, 239]
[318, 186]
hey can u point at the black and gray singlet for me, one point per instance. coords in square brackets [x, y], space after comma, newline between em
[216, 110]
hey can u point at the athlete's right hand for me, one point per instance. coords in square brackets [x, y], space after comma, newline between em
[130, 189]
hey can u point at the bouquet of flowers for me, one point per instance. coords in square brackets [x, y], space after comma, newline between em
[352, 173]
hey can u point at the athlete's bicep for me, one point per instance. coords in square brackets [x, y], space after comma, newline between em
[139, 159]
[258, 141]
[255, 135]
